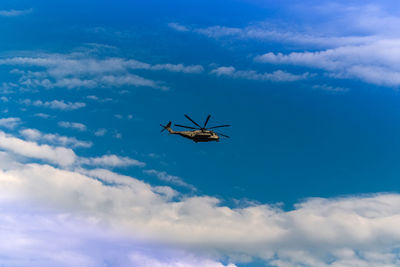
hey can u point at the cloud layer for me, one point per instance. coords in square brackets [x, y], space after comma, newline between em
[361, 44]
[32, 236]
[276, 76]
[55, 139]
[175, 180]
[14, 13]
[373, 63]
[112, 161]
[55, 104]
[81, 213]
[352, 231]
[82, 70]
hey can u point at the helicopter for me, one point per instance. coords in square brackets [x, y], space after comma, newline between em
[199, 134]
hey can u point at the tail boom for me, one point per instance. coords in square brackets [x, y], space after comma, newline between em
[168, 128]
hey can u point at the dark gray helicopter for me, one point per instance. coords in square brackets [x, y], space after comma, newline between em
[200, 134]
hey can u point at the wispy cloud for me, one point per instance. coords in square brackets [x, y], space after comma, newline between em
[61, 65]
[356, 230]
[373, 63]
[9, 123]
[36, 236]
[361, 44]
[100, 100]
[359, 23]
[276, 76]
[8, 87]
[56, 149]
[269, 33]
[42, 115]
[175, 180]
[129, 79]
[55, 139]
[55, 104]
[14, 13]
[121, 117]
[100, 132]
[111, 161]
[332, 89]
[81, 70]
[117, 135]
[58, 155]
[72, 125]
[178, 27]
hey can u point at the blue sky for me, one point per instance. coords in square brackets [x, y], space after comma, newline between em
[311, 92]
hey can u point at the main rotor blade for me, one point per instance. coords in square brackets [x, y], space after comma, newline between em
[220, 126]
[224, 135]
[163, 128]
[205, 123]
[183, 126]
[192, 120]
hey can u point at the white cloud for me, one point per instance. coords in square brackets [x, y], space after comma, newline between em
[55, 150]
[42, 115]
[352, 231]
[121, 117]
[33, 236]
[58, 155]
[100, 132]
[112, 161]
[14, 13]
[8, 87]
[276, 76]
[373, 63]
[332, 89]
[55, 104]
[9, 123]
[140, 259]
[92, 97]
[31, 134]
[175, 180]
[117, 135]
[129, 79]
[362, 230]
[266, 32]
[72, 83]
[178, 27]
[362, 43]
[83, 70]
[55, 139]
[178, 68]
[101, 100]
[73, 125]
[317, 25]
[366, 18]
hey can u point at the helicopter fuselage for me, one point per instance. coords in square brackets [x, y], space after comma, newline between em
[200, 134]
[197, 135]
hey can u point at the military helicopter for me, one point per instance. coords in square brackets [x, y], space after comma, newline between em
[200, 134]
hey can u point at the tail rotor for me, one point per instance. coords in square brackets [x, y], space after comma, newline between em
[166, 126]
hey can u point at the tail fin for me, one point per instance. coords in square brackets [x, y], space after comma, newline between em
[167, 127]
